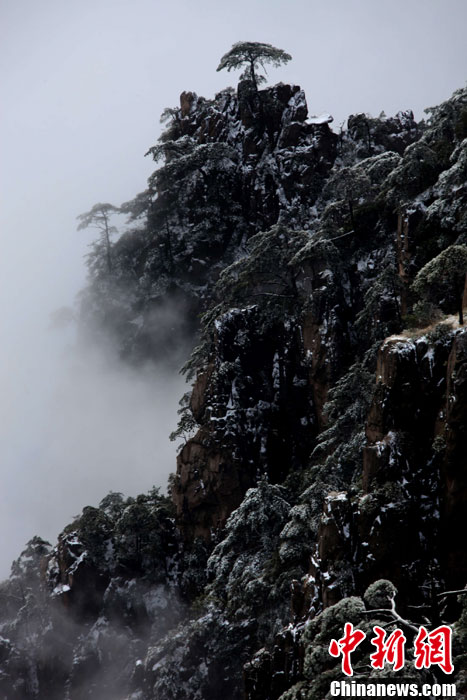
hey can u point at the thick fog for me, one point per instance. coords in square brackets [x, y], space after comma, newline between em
[82, 88]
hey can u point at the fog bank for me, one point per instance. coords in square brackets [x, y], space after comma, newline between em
[79, 424]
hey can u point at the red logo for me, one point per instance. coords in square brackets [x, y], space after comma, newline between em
[434, 648]
[346, 646]
[391, 651]
[430, 649]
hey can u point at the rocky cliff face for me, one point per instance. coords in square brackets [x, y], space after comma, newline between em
[256, 417]
[232, 166]
[322, 478]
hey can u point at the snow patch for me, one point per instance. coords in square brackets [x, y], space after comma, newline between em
[324, 118]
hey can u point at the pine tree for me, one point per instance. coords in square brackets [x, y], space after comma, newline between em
[252, 54]
[99, 217]
[442, 280]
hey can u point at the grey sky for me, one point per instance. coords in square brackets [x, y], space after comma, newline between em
[82, 88]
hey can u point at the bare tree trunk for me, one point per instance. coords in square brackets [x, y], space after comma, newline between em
[253, 76]
[107, 245]
[463, 301]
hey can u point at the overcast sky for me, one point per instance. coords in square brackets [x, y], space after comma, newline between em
[82, 87]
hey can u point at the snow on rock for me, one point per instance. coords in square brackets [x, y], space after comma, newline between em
[324, 118]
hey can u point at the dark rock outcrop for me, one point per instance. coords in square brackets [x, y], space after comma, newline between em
[326, 466]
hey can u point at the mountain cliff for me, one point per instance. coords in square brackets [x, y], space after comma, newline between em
[322, 474]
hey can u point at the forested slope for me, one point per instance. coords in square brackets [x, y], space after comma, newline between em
[322, 278]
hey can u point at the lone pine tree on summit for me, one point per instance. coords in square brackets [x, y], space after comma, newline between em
[253, 54]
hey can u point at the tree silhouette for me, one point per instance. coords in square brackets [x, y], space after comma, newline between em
[99, 217]
[251, 55]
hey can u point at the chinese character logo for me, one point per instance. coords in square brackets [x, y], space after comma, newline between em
[430, 649]
[434, 648]
[391, 651]
[346, 646]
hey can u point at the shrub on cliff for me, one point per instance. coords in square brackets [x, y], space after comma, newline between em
[442, 280]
